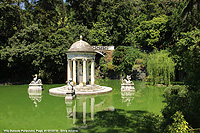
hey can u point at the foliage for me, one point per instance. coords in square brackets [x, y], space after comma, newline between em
[103, 70]
[28, 49]
[175, 98]
[185, 17]
[190, 13]
[152, 33]
[151, 123]
[143, 24]
[130, 121]
[108, 20]
[179, 98]
[181, 91]
[9, 22]
[188, 46]
[100, 34]
[160, 67]
[110, 119]
[46, 16]
[126, 58]
[193, 108]
[180, 125]
[35, 35]
[106, 68]
[152, 8]
[24, 50]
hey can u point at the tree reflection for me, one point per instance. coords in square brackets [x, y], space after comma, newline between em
[114, 121]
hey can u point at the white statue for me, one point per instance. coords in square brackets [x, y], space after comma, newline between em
[35, 81]
[128, 77]
[127, 84]
[35, 78]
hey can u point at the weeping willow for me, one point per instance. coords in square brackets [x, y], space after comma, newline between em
[160, 67]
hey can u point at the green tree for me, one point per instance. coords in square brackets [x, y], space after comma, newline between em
[160, 67]
[180, 98]
[151, 34]
[126, 58]
[169, 6]
[28, 53]
[83, 11]
[46, 16]
[100, 34]
[175, 98]
[108, 20]
[191, 11]
[150, 123]
[180, 125]
[119, 56]
[116, 17]
[10, 20]
[151, 8]
[185, 17]
[21, 54]
[188, 50]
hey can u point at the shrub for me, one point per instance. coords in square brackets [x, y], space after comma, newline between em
[161, 67]
[180, 125]
[150, 123]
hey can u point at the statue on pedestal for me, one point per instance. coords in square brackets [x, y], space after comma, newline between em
[36, 84]
[127, 85]
[128, 77]
[35, 81]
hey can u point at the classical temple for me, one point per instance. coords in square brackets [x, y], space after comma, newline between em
[81, 57]
[78, 57]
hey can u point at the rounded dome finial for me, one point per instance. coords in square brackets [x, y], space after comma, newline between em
[80, 46]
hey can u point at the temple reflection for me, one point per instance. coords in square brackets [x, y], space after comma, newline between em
[35, 96]
[82, 109]
[127, 97]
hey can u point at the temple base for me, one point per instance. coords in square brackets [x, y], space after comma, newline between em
[81, 90]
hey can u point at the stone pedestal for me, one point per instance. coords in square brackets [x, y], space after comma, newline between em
[35, 87]
[127, 87]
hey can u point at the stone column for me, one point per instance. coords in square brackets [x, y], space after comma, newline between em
[84, 71]
[78, 72]
[87, 77]
[74, 114]
[74, 71]
[92, 108]
[69, 70]
[84, 112]
[92, 72]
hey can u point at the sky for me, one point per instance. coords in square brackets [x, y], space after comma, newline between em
[22, 4]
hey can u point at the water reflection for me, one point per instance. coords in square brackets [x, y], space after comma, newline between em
[35, 96]
[71, 110]
[83, 108]
[127, 97]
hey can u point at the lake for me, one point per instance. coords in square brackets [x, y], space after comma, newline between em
[22, 112]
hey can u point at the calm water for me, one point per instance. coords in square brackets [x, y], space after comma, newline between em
[19, 110]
